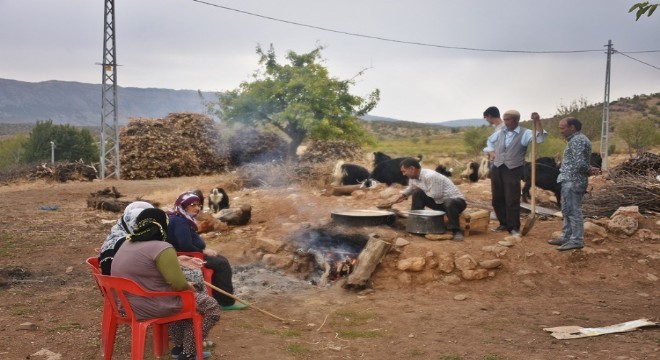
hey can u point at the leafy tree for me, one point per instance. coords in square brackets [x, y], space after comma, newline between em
[300, 99]
[11, 151]
[638, 134]
[70, 143]
[590, 117]
[475, 139]
[642, 8]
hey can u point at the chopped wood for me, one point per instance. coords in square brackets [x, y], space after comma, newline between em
[372, 254]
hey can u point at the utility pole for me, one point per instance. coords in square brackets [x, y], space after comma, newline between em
[109, 120]
[605, 129]
[52, 152]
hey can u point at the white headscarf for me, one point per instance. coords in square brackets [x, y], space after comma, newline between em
[125, 224]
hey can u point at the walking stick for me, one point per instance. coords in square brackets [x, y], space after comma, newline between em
[529, 224]
[244, 302]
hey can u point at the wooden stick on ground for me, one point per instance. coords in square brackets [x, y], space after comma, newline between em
[244, 302]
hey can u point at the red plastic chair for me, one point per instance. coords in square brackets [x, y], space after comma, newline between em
[118, 288]
[93, 263]
[206, 272]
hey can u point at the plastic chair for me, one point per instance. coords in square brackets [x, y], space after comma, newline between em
[93, 263]
[122, 313]
[206, 272]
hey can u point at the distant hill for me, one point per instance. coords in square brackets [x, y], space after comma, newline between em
[67, 102]
[463, 123]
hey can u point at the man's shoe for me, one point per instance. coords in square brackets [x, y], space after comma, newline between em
[177, 354]
[557, 242]
[236, 306]
[498, 229]
[458, 236]
[516, 233]
[184, 356]
[570, 246]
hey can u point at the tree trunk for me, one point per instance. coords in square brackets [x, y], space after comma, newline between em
[367, 261]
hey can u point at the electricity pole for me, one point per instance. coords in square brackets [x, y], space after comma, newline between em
[109, 120]
[605, 129]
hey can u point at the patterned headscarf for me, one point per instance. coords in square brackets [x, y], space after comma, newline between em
[124, 225]
[151, 224]
[180, 206]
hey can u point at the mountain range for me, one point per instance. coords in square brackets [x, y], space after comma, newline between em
[79, 104]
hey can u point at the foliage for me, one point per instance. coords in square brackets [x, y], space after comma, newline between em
[300, 99]
[590, 116]
[475, 139]
[71, 144]
[642, 8]
[11, 151]
[638, 134]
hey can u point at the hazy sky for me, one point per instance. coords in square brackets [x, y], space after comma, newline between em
[185, 44]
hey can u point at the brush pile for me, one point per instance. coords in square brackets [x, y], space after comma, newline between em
[326, 150]
[181, 144]
[632, 183]
[63, 172]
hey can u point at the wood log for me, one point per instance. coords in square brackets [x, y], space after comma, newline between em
[343, 190]
[372, 254]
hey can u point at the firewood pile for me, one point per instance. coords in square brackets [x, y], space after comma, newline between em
[632, 183]
[249, 146]
[324, 150]
[108, 200]
[181, 144]
[63, 172]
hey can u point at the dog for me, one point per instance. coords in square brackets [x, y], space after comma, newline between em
[218, 200]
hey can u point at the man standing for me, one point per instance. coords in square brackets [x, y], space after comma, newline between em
[574, 177]
[492, 116]
[510, 144]
[434, 190]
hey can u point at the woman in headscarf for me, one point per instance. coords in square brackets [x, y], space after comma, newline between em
[148, 259]
[182, 234]
[115, 239]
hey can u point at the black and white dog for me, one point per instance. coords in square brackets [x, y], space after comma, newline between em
[218, 200]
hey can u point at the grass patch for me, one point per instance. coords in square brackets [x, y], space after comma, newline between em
[492, 357]
[417, 352]
[298, 350]
[244, 325]
[449, 357]
[354, 334]
[353, 318]
[291, 333]
[21, 310]
[65, 327]
[268, 331]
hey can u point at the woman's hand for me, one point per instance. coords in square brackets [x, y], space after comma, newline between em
[210, 252]
[190, 262]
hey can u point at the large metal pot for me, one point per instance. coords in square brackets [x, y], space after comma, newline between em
[363, 217]
[426, 222]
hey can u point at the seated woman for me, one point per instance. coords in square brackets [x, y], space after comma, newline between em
[117, 236]
[182, 234]
[146, 258]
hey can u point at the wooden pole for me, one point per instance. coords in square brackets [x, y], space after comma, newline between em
[244, 302]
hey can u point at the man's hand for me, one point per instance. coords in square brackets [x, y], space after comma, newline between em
[536, 117]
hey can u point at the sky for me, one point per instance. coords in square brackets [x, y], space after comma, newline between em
[187, 44]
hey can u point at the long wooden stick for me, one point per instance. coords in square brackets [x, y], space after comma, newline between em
[244, 302]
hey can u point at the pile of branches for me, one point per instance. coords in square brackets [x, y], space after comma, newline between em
[63, 172]
[285, 174]
[323, 150]
[252, 146]
[633, 183]
[181, 144]
[108, 200]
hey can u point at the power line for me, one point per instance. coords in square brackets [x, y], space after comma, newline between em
[395, 40]
[640, 61]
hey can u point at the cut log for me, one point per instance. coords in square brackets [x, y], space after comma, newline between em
[372, 254]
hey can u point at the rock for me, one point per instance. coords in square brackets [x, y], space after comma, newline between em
[499, 251]
[69, 270]
[401, 242]
[623, 225]
[460, 297]
[631, 211]
[451, 279]
[490, 264]
[477, 274]
[269, 245]
[465, 262]
[646, 235]
[439, 236]
[27, 326]
[278, 261]
[425, 277]
[506, 243]
[411, 264]
[236, 216]
[556, 235]
[358, 194]
[529, 283]
[405, 277]
[445, 262]
[594, 230]
[651, 277]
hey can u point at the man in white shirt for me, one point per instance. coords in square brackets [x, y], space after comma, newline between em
[434, 190]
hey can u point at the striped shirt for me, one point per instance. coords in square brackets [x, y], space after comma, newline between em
[435, 185]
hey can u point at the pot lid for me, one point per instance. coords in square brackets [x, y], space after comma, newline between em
[362, 213]
[426, 212]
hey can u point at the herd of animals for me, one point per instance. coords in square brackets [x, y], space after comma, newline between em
[387, 170]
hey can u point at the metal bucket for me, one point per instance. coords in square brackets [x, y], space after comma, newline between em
[426, 222]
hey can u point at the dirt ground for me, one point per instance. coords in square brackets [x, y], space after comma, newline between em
[406, 315]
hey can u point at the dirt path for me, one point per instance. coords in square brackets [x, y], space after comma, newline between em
[406, 315]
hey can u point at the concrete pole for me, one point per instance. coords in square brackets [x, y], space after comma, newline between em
[52, 152]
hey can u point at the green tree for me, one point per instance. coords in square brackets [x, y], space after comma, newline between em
[590, 117]
[71, 144]
[642, 8]
[639, 134]
[475, 139]
[300, 99]
[11, 151]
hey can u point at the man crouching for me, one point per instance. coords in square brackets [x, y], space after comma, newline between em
[434, 190]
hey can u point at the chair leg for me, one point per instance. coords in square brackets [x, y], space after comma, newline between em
[139, 335]
[199, 336]
[109, 338]
[161, 339]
